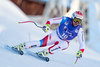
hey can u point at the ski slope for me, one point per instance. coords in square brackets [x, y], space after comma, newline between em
[12, 33]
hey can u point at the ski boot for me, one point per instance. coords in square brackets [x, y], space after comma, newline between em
[20, 47]
[43, 53]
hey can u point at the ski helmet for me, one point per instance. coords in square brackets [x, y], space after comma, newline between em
[77, 14]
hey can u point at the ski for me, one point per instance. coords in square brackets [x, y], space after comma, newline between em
[15, 50]
[42, 57]
[20, 52]
[38, 56]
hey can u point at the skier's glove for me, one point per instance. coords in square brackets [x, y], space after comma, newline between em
[46, 28]
[79, 54]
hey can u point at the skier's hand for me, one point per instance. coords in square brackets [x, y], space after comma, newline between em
[46, 28]
[79, 54]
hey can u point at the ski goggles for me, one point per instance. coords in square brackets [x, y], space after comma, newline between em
[77, 20]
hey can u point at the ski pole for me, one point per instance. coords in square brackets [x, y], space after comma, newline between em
[76, 61]
[30, 22]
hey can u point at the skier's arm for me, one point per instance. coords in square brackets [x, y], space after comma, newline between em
[81, 43]
[56, 20]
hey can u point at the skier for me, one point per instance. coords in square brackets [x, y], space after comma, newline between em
[59, 40]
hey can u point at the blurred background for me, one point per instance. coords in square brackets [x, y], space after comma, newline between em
[39, 11]
[42, 10]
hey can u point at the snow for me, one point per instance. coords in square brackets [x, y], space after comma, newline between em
[12, 33]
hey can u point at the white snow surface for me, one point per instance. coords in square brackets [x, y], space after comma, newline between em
[12, 33]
